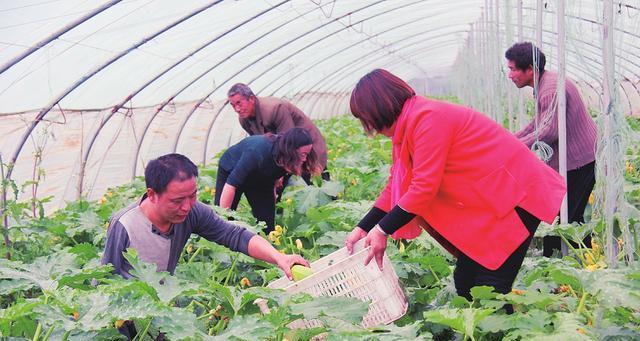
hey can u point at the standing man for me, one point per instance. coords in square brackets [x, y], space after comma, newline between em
[261, 115]
[581, 130]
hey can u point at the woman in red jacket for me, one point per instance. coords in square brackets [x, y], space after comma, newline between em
[470, 183]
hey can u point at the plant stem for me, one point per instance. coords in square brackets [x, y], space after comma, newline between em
[582, 301]
[3, 207]
[193, 256]
[46, 336]
[36, 335]
[144, 332]
[66, 335]
[434, 273]
[233, 266]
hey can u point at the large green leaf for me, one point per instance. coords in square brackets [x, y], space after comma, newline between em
[531, 298]
[393, 332]
[463, 321]
[235, 298]
[331, 188]
[166, 286]
[177, 324]
[8, 286]
[333, 238]
[19, 310]
[248, 327]
[44, 271]
[347, 309]
[615, 288]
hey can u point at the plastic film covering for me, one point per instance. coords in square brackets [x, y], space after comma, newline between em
[91, 91]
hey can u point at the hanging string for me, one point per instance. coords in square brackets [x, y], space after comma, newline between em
[540, 148]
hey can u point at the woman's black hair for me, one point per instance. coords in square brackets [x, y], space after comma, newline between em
[286, 152]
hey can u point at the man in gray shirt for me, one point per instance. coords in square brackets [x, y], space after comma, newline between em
[160, 223]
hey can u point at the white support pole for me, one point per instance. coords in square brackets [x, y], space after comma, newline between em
[496, 62]
[539, 15]
[482, 41]
[610, 196]
[562, 112]
[508, 26]
[488, 24]
[522, 119]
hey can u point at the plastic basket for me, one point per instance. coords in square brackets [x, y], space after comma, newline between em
[339, 274]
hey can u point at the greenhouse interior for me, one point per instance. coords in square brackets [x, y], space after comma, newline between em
[95, 94]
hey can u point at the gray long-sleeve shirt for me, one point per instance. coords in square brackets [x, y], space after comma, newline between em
[130, 228]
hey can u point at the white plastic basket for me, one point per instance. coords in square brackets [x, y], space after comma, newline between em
[339, 274]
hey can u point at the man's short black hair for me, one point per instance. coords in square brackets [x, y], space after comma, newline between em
[522, 55]
[161, 171]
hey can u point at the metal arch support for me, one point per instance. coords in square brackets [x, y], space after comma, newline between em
[323, 59]
[145, 40]
[359, 68]
[153, 79]
[268, 54]
[206, 141]
[368, 56]
[57, 35]
[228, 57]
[340, 30]
[190, 54]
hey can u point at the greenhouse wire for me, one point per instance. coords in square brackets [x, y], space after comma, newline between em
[143, 41]
[193, 52]
[226, 58]
[133, 94]
[340, 51]
[345, 90]
[208, 136]
[359, 69]
[71, 45]
[56, 35]
[368, 37]
[367, 54]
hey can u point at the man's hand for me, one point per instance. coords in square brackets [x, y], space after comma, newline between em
[285, 262]
[378, 242]
[353, 237]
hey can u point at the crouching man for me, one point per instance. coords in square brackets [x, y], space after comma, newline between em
[159, 224]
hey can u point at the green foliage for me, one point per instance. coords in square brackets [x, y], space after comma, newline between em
[55, 288]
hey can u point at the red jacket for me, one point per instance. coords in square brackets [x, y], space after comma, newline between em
[465, 174]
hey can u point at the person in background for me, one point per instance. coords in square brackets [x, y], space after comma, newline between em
[261, 115]
[253, 166]
[456, 173]
[581, 130]
[159, 224]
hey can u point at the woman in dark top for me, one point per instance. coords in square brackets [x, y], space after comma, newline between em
[253, 165]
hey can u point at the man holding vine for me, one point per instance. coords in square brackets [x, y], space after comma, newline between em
[526, 68]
